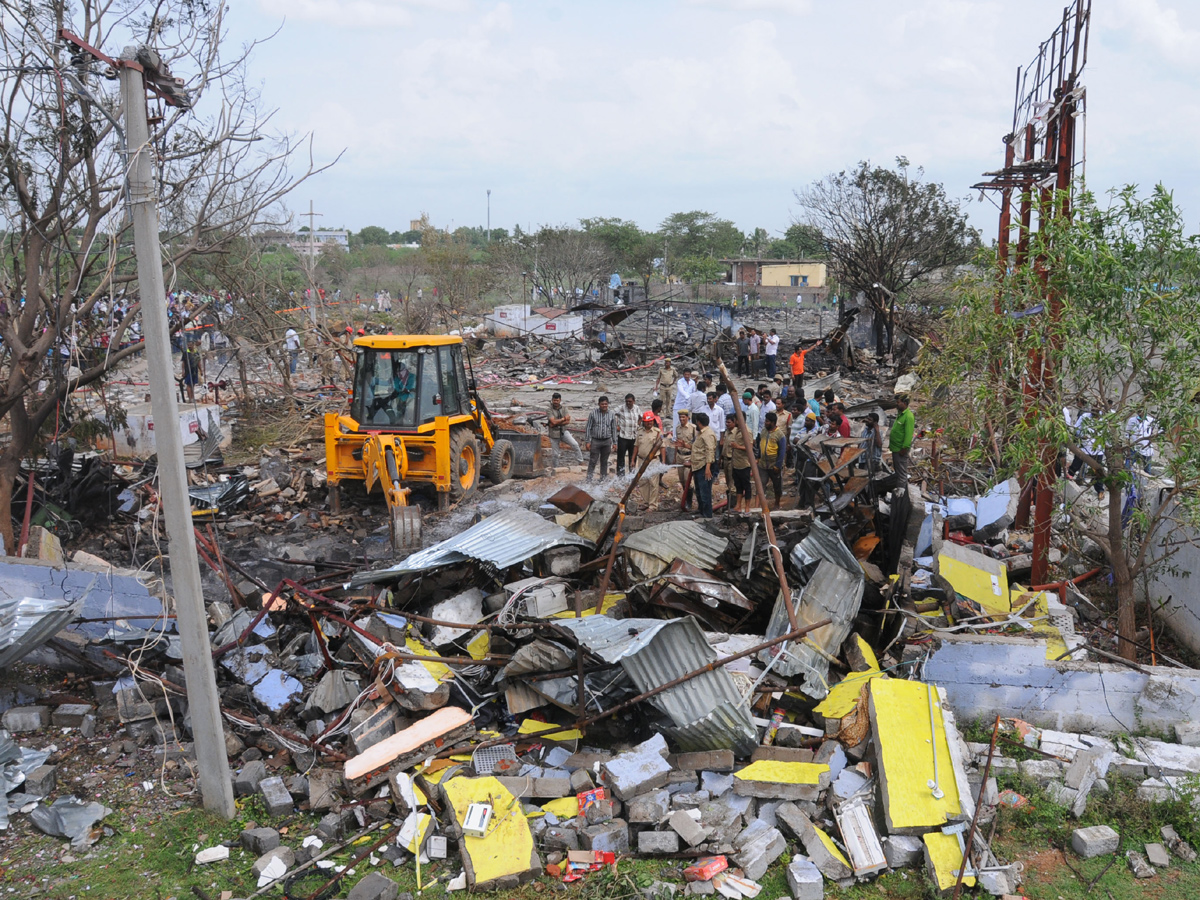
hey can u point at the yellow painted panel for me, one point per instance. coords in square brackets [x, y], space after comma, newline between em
[832, 847]
[901, 710]
[507, 848]
[783, 772]
[564, 807]
[946, 856]
[439, 671]
[843, 696]
[533, 726]
[977, 585]
[610, 600]
[424, 824]
[477, 647]
[868, 653]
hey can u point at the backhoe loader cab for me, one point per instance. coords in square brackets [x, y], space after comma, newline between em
[414, 418]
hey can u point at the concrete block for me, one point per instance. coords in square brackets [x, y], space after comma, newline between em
[41, 781]
[817, 844]
[286, 854]
[1181, 849]
[537, 788]
[376, 886]
[260, 840]
[649, 808]
[757, 847]
[804, 879]
[716, 784]
[707, 760]
[805, 781]
[1129, 768]
[785, 754]
[657, 842]
[699, 889]
[558, 838]
[1154, 790]
[687, 828]
[611, 837]
[1162, 758]
[1042, 771]
[581, 780]
[1060, 794]
[1000, 882]
[71, 715]
[903, 850]
[586, 759]
[1095, 840]
[689, 799]
[276, 795]
[87, 727]
[1138, 865]
[1188, 733]
[642, 769]
[323, 788]
[1157, 856]
[20, 719]
[1087, 762]
[246, 782]
[599, 812]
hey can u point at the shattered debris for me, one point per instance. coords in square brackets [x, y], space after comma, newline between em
[564, 677]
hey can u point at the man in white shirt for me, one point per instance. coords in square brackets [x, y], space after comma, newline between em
[684, 388]
[770, 351]
[750, 411]
[291, 341]
[716, 415]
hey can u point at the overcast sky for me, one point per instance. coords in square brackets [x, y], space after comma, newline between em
[641, 108]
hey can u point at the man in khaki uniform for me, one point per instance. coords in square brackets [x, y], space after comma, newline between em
[704, 464]
[738, 492]
[685, 436]
[649, 444]
[667, 377]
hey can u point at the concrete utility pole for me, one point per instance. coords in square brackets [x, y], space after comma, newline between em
[311, 268]
[203, 704]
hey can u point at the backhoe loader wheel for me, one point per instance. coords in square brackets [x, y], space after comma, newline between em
[464, 464]
[406, 528]
[500, 462]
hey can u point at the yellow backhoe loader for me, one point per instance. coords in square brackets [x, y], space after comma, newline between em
[415, 417]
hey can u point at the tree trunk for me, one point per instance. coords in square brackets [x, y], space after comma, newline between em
[8, 476]
[1122, 577]
[880, 328]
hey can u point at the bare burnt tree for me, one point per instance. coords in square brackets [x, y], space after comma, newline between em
[560, 262]
[885, 230]
[67, 240]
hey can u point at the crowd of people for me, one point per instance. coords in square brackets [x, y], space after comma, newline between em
[700, 435]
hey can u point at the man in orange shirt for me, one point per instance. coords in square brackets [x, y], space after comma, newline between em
[796, 361]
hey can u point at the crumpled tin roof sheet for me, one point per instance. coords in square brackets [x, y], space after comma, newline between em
[653, 549]
[833, 591]
[504, 539]
[707, 710]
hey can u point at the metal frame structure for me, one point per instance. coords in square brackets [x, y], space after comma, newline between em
[1040, 165]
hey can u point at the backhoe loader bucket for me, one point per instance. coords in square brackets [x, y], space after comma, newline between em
[406, 528]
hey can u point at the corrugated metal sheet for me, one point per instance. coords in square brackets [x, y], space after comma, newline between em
[833, 593]
[708, 711]
[822, 542]
[505, 539]
[29, 622]
[653, 549]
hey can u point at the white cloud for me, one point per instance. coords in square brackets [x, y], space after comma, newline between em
[1152, 23]
[358, 13]
[792, 7]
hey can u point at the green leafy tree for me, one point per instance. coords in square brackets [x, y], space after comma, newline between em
[1102, 318]
[636, 252]
[698, 233]
[885, 229]
[373, 234]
